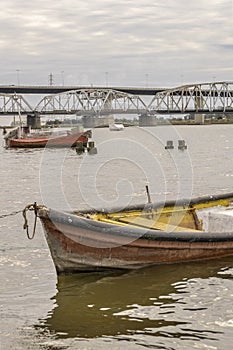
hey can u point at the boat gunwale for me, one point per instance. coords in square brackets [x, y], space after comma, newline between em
[130, 231]
[156, 205]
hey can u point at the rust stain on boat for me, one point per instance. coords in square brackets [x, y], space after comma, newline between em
[86, 241]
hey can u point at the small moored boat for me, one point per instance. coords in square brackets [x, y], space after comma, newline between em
[139, 236]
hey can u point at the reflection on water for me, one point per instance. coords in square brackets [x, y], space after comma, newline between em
[152, 301]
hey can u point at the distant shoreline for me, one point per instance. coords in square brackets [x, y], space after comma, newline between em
[159, 122]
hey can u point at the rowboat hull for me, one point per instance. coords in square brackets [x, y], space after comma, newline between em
[52, 141]
[78, 243]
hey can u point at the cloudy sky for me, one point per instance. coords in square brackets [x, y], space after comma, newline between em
[119, 43]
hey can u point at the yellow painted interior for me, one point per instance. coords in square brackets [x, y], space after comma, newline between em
[172, 219]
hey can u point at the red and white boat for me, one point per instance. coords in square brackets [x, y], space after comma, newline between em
[13, 139]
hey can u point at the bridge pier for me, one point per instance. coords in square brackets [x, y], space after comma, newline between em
[199, 118]
[95, 121]
[33, 120]
[147, 120]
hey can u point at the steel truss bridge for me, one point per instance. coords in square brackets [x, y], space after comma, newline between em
[215, 97]
[92, 102]
[198, 98]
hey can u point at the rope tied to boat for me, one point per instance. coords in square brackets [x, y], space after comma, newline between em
[30, 207]
[2, 216]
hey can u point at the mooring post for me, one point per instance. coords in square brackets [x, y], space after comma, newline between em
[91, 149]
[80, 147]
[182, 145]
[169, 145]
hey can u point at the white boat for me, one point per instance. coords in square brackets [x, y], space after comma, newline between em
[116, 127]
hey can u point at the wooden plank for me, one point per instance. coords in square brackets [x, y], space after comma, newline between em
[155, 225]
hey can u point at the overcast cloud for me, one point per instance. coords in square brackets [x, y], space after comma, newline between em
[122, 43]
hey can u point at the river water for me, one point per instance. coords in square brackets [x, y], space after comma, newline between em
[179, 306]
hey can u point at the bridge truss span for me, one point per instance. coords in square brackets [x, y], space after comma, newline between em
[14, 103]
[211, 97]
[91, 102]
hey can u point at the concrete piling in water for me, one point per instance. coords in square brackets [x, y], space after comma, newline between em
[169, 145]
[182, 145]
[80, 149]
[91, 149]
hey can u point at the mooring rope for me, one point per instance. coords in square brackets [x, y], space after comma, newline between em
[10, 214]
[30, 207]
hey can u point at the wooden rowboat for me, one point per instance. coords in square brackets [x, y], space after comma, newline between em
[139, 236]
[68, 140]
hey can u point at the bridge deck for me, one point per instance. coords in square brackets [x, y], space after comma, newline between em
[20, 89]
